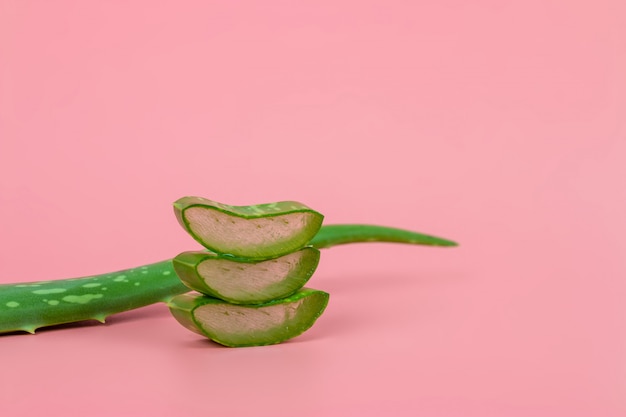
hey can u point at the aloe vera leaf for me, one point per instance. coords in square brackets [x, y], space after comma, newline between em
[21, 309]
[244, 281]
[249, 325]
[339, 234]
[31, 305]
[256, 232]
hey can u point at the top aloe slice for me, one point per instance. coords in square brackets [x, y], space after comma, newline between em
[261, 231]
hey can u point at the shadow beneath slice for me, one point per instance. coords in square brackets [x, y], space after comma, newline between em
[204, 343]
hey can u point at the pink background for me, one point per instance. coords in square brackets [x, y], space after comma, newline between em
[498, 124]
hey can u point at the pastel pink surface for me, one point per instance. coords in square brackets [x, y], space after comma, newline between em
[497, 124]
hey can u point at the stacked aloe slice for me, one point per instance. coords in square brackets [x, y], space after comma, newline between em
[250, 281]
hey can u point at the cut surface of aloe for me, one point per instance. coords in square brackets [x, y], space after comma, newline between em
[249, 325]
[257, 232]
[245, 281]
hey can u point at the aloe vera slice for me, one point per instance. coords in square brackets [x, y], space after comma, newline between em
[249, 325]
[244, 281]
[257, 232]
